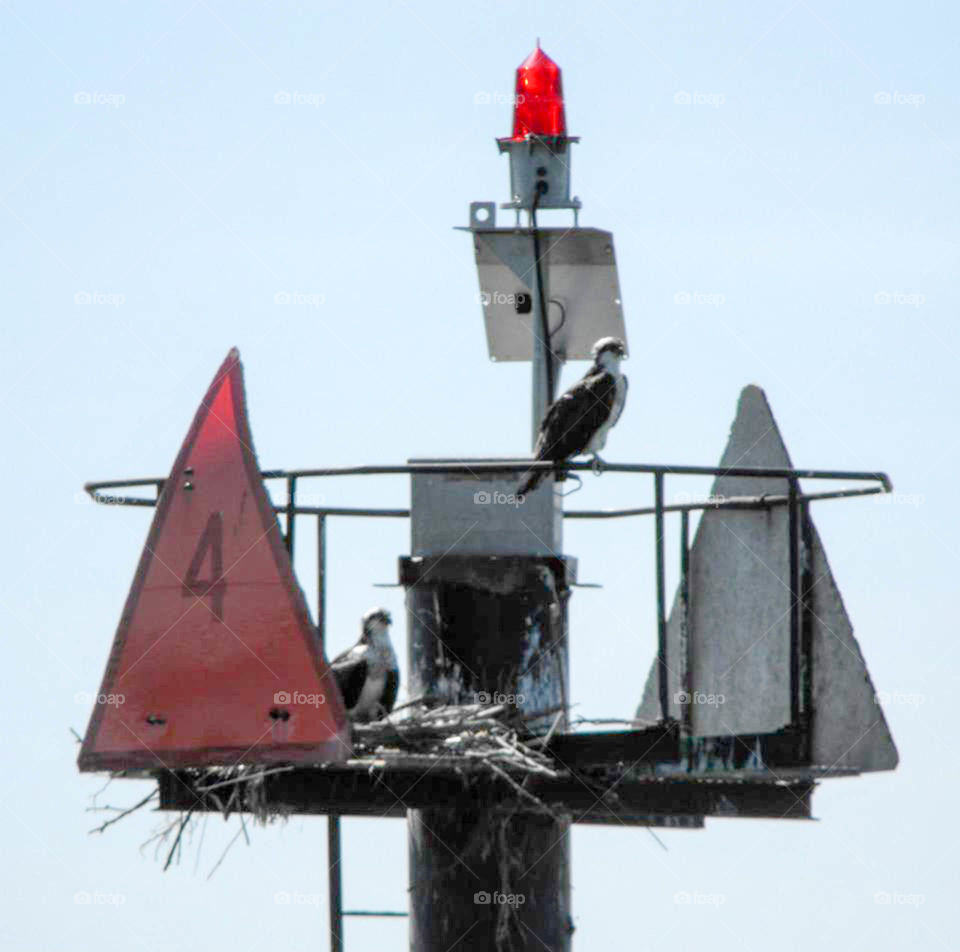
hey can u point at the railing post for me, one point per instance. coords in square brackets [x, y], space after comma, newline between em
[336, 901]
[333, 820]
[806, 629]
[686, 662]
[291, 512]
[661, 599]
[794, 563]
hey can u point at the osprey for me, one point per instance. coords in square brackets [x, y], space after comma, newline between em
[578, 422]
[367, 674]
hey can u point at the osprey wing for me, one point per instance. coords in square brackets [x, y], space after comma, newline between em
[390, 690]
[351, 674]
[573, 419]
[619, 409]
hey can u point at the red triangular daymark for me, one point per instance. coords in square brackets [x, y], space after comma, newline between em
[215, 660]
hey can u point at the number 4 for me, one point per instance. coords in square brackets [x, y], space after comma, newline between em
[215, 585]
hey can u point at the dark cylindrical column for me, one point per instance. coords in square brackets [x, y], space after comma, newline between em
[490, 876]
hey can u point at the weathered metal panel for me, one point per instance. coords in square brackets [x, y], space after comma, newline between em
[739, 622]
[482, 514]
[580, 270]
[849, 728]
[215, 657]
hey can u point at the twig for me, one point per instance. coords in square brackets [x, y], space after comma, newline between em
[126, 812]
[203, 833]
[176, 842]
[230, 781]
[224, 853]
[526, 794]
[553, 727]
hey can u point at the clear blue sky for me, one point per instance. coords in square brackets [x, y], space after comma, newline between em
[793, 225]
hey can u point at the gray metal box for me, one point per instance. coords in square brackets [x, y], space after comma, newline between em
[482, 515]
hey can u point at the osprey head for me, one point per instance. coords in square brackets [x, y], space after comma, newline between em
[609, 345]
[376, 622]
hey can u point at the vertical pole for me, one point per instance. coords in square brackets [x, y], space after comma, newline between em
[686, 660]
[333, 821]
[661, 602]
[794, 564]
[321, 577]
[336, 901]
[541, 345]
[486, 872]
[291, 505]
[806, 631]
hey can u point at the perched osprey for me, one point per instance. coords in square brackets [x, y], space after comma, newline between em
[367, 674]
[579, 420]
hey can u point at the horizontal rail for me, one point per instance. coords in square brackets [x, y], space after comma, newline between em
[716, 502]
[523, 466]
[364, 912]
[721, 502]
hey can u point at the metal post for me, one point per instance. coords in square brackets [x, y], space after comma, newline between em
[806, 630]
[479, 627]
[661, 601]
[542, 397]
[321, 576]
[336, 901]
[333, 821]
[291, 512]
[686, 660]
[794, 570]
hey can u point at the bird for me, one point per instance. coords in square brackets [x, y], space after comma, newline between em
[367, 674]
[579, 420]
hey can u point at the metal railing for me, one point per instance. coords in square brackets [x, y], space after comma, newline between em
[797, 504]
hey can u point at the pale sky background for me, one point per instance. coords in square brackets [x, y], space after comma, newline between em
[804, 203]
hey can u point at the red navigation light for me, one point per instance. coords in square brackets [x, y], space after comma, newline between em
[538, 109]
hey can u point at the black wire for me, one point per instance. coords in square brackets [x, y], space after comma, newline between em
[563, 317]
[544, 323]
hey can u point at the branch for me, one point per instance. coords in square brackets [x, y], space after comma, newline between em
[120, 816]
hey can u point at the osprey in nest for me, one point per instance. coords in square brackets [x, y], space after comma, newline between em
[367, 674]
